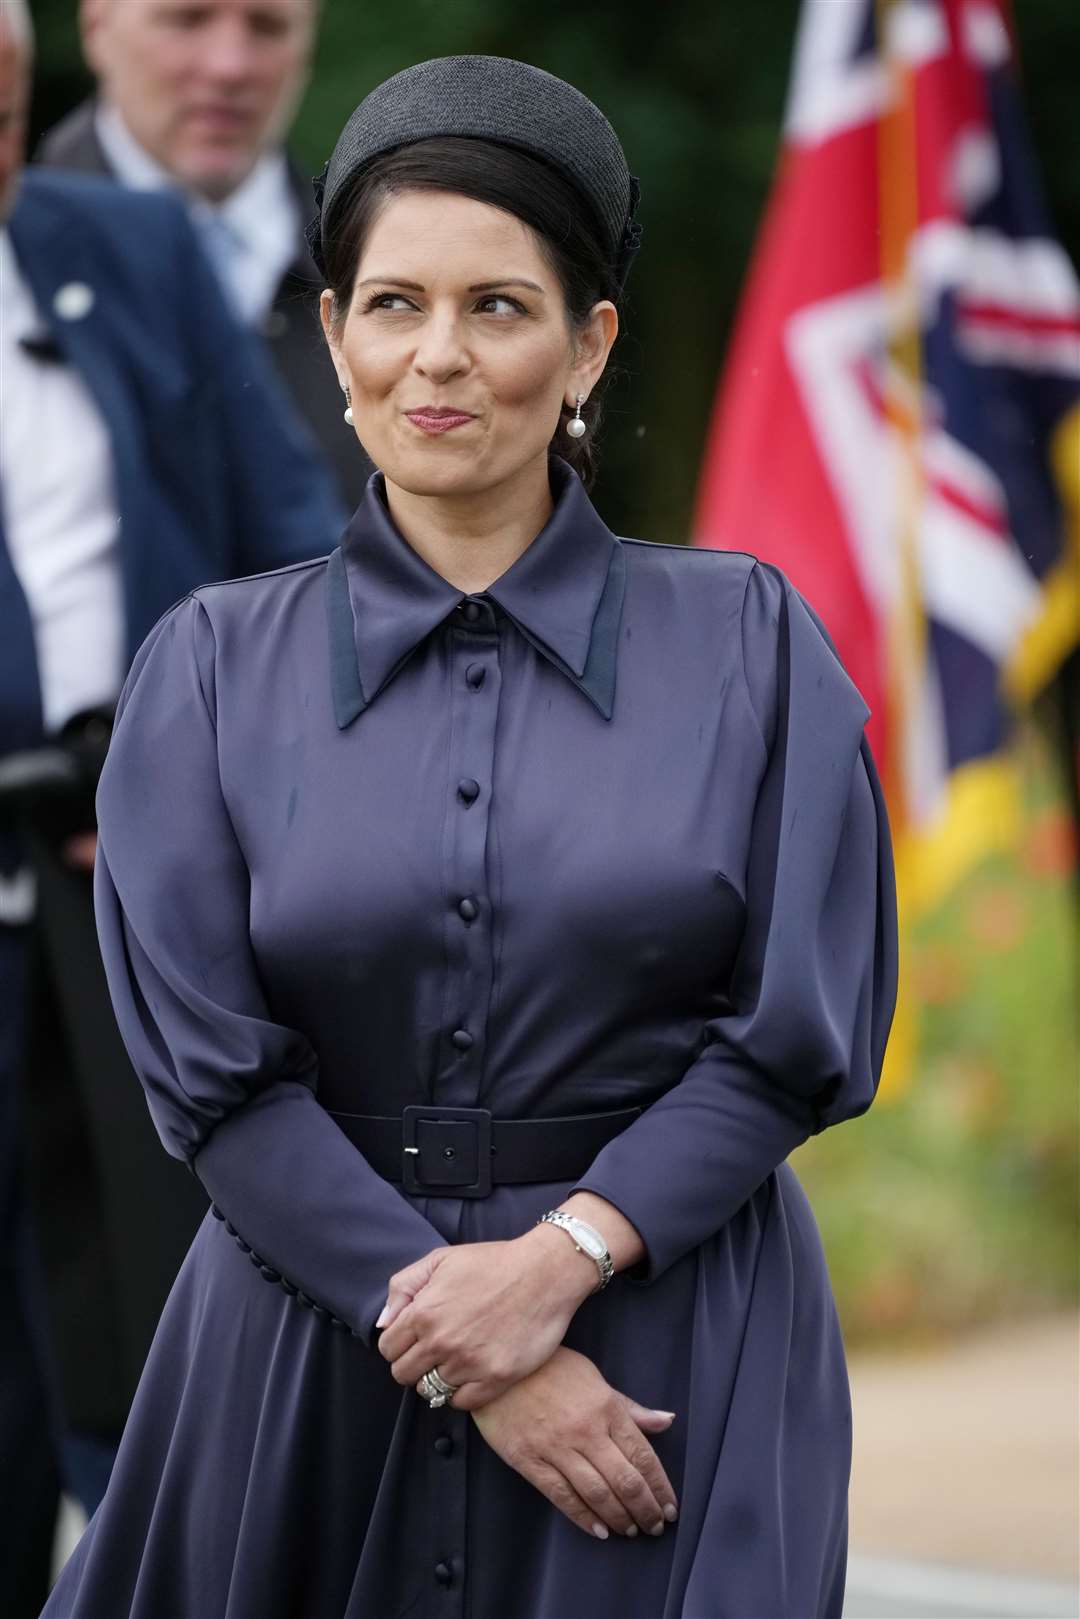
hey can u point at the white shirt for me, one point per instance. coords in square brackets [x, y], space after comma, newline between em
[59, 510]
[251, 236]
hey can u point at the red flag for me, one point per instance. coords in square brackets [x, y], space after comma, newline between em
[903, 382]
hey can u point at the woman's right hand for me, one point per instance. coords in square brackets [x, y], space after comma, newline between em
[582, 1444]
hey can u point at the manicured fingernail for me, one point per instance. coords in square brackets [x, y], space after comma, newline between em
[599, 1531]
[671, 1513]
[384, 1315]
[657, 1529]
[669, 1414]
[631, 1532]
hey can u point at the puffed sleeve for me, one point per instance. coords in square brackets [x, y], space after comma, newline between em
[231, 1091]
[815, 979]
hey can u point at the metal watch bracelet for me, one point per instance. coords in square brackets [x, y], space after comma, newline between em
[591, 1243]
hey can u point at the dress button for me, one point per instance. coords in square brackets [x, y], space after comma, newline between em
[474, 674]
[468, 790]
[443, 1573]
[462, 1039]
[468, 910]
[471, 611]
[444, 1445]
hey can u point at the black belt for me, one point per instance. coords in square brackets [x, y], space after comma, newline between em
[464, 1152]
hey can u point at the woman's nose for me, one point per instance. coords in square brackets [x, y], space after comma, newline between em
[441, 352]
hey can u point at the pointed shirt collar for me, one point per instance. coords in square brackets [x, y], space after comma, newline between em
[564, 593]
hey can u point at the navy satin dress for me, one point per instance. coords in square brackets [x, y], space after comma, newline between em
[644, 770]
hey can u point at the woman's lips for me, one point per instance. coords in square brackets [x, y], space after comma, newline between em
[430, 419]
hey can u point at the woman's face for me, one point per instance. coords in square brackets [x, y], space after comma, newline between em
[456, 347]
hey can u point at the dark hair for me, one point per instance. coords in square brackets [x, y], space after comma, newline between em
[519, 184]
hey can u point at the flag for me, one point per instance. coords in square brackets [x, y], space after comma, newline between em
[898, 426]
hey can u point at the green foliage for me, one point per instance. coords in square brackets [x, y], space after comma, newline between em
[958, 1201]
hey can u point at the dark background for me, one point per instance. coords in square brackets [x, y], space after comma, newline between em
[696, 89]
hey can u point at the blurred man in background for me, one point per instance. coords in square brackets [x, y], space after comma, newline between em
[199, 94]
[145, 448]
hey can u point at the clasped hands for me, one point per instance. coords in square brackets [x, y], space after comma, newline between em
[491, 1317]
[485, 1313]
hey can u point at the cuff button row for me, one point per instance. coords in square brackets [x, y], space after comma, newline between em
[269, 1274]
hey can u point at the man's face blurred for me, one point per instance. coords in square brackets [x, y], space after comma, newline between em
[14, 92]
[205, 86]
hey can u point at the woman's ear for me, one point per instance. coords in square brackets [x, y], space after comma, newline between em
[331, 333]
[326, 315]
[593, 343]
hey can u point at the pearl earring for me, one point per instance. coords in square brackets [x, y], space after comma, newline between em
[349, 417]
[576, 427]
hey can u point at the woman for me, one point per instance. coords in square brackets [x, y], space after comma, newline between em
[492, 868]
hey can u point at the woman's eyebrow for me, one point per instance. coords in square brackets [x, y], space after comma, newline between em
[507, 281]
[477, 286]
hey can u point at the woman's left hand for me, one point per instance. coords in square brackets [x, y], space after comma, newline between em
[484, 1314]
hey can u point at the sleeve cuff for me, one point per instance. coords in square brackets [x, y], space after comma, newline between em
[317, 1216]
[692, 1160]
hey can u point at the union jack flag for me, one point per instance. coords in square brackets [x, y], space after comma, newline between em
[899, 422]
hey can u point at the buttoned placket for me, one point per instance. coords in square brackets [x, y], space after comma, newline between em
[475, 678]
[383, 603]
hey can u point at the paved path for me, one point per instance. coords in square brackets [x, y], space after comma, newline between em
[965, 1492]
[892, 1588]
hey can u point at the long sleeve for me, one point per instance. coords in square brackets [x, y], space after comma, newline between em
[230, 1090]
[814, 982]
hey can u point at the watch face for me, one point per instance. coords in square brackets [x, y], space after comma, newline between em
[593, 1244]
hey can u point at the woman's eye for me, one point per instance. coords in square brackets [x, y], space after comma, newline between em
[493, 303]
[387, 300]
[497, 303]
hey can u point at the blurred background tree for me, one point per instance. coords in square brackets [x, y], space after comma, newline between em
[957, 1201]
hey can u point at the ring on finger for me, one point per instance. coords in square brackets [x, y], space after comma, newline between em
[435, 1389]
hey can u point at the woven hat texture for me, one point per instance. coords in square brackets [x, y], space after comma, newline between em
[489, 98]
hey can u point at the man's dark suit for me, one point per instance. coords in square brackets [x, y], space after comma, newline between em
[214, 476]
[291, 330]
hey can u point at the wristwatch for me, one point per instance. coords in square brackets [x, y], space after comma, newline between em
[586, 1239]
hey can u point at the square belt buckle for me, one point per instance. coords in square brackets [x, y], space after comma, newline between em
[446, 1151]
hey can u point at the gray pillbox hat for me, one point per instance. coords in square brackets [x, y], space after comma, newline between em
[497, 99]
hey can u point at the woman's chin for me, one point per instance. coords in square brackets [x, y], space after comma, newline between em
[438, 470]
[442, 466]
[457, 481]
